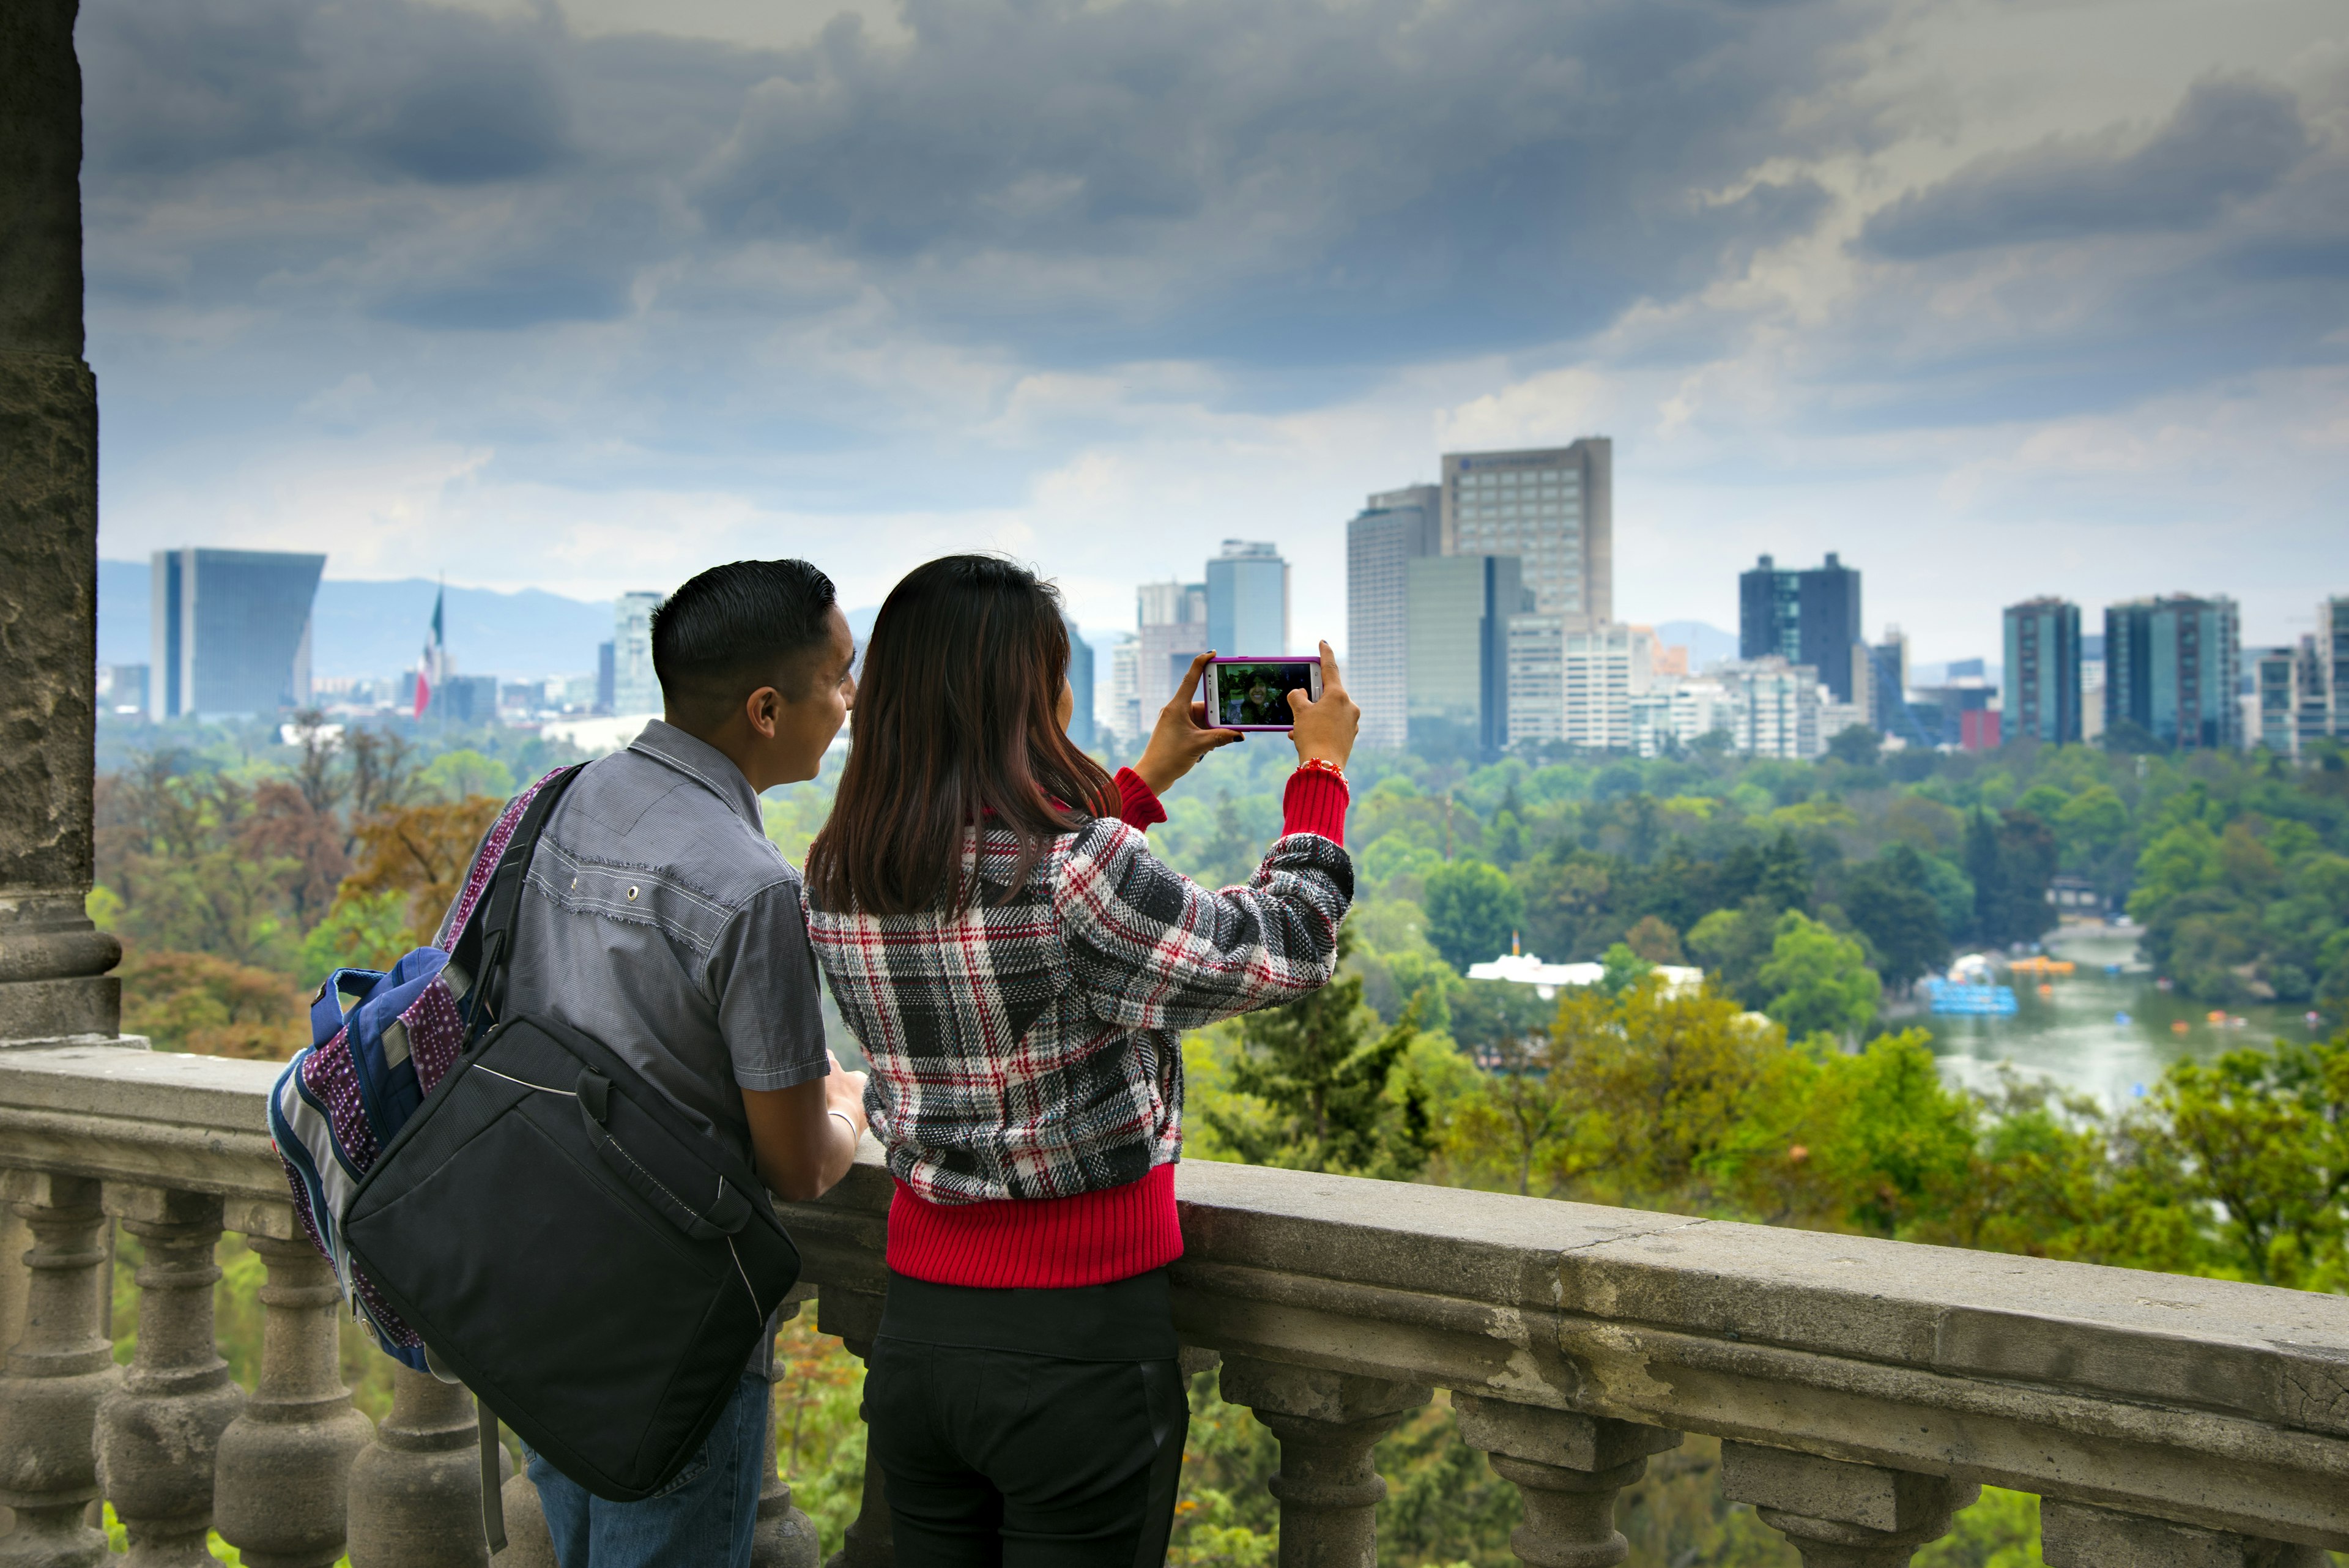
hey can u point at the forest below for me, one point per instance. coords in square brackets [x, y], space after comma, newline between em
[239, 873]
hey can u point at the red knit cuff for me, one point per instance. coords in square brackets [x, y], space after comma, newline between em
[1138, 805]
[1316, 803]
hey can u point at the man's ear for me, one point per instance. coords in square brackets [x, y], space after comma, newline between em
[764, 709]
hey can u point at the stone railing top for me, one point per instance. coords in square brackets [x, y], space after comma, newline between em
[2207, 1401]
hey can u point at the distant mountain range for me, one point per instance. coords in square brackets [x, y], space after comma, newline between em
[376, 629]
[1706, 644]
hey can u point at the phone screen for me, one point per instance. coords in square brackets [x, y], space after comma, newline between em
[1256, 693]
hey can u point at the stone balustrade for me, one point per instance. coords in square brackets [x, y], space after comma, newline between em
[1863, 1390]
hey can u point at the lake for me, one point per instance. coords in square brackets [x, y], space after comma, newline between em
[2070, 1034]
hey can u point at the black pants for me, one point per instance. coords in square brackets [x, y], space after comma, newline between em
[1006, 1457]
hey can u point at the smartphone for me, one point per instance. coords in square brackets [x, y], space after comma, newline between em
[1253, 693]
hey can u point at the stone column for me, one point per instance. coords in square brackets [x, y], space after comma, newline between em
[1327, 1422]
[57, 1373]
[285, 1461]
[1842, 1515]
[1568, 1467]
[785, 1537]
[2074, 1535]
[158, 1432]
[856, 1317]
[52, 962]
[416, 1490]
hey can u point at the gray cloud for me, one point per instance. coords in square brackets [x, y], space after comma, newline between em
[2229, 140]
[1303, 182]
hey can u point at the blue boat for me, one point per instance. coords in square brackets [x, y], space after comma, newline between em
[1973, 1000]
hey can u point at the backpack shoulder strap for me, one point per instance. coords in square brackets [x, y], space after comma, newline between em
[486, 942]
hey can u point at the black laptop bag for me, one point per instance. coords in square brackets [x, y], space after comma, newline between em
[597, 1269]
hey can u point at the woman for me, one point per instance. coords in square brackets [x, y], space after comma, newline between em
[1017, 965]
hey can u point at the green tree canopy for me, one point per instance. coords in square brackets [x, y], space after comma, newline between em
[1472, 908]
[1818, 980]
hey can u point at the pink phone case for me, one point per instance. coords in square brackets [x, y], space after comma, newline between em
[1249, 705]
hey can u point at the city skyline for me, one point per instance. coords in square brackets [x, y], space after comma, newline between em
[470, 289]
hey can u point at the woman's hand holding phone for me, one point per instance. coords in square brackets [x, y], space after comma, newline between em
[1324, 730]
[1183, 735]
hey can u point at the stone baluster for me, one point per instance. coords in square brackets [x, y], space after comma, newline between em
[285, 1461]
[416, 1490]
[1568, 1467]
[785, 1537]
[1328, 1423]
[57, 1373]
[2074, 1535]
[158, 1430]
[856, 1317]
[1838, 1514]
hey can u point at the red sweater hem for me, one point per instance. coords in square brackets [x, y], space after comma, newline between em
[1049, 1243]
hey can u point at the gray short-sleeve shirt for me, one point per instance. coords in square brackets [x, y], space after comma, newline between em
[666, 925]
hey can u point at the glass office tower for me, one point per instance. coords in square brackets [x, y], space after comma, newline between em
[2042, 695]
[230, 631]
[1808, 616]
[2170, 669]
[1248, 599]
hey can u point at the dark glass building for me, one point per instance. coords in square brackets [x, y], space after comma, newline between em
[1808, 616]
[230, 631]
[2171, 670]
[1080, 685]
[1458, 650]
[2042, 677]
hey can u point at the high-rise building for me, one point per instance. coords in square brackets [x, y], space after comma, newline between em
[1080, 685]
[2170, 671]
[1774, 708]
[1553, 508]
[2043, 672]
[1125, 712]
[1675, 716]
[2278, 694]
[606, 676]
[230, 631]
[1457, 649]
[2092, 686]
[1537, 679]
[1807, 617]
[635, 689]
[2330, 642]
[1394, 528]
[1247, 598]
[1171, 623]
[1605, 668]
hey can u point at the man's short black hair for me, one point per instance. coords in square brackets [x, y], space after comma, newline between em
[734, 629]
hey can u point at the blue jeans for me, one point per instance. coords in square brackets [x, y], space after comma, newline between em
[703, 1521]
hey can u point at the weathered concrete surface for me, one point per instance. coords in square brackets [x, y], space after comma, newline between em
[53, 964]
[40, 180]
[2084, 1384]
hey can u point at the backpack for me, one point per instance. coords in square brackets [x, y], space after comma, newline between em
[346, 1094]
[543, 1224]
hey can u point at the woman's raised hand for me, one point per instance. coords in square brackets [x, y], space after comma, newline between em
[1325, 729]
[1183, 735]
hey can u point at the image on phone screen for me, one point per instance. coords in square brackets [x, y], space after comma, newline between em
[1258, 693]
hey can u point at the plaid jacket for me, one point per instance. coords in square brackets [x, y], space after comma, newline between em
[1030, 1048]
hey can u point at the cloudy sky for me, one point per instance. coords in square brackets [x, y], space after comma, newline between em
[1994, 297]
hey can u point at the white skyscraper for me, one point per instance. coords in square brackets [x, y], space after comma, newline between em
[1393, 528]
[635, 690]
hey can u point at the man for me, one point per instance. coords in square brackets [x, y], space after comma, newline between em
[660, 920]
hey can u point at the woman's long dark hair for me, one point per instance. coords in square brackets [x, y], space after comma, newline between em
[956, 722]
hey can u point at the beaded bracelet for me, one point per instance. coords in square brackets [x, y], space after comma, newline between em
[1322, 765]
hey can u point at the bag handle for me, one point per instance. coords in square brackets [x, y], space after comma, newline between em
[327, 1008]
[727, 1213]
